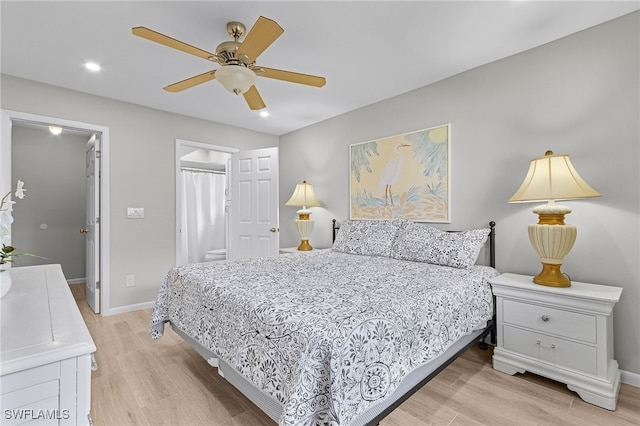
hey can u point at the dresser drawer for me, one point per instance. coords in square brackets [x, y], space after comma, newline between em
[565, 353]
[31, 377]
[550, 320]
[38, 403]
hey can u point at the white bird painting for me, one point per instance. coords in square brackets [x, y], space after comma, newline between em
[391, 173]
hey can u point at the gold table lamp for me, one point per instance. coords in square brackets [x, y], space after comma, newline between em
[552, 178]
[304, 196]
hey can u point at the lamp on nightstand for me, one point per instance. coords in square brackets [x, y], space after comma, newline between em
[304, 196]
[552, 178]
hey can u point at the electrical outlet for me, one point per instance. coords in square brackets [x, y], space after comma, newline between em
[131, 280]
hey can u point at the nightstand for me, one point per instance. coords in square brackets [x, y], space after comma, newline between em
[565, 334]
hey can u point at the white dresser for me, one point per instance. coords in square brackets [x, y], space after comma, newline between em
[45, 352]
[565, 334]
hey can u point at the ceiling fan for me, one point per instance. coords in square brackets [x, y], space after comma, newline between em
[238, 59]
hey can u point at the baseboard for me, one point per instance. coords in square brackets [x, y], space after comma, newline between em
[129, 308]
[77, 281]
[630, 378]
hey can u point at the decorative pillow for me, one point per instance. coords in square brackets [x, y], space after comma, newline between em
[427, 244]
[368, 237]
[414, 243]
[458, 249]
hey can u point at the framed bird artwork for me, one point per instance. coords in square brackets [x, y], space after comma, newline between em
[402, 177]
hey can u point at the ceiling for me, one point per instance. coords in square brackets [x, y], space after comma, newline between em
[367, 50]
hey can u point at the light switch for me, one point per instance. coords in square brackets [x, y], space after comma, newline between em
[135, 212]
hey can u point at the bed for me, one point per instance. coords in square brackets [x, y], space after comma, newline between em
[337, 336]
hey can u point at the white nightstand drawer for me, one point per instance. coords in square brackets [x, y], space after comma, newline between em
[549, 320]
[575, 356]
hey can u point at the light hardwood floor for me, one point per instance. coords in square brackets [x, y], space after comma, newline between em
[140, 382]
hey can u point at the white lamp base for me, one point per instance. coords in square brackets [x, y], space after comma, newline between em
[304, 226]
[552, 239]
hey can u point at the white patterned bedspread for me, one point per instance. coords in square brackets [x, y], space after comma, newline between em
[327, 334]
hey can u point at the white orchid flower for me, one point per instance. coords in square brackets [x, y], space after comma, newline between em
[6, 207]
[5, 224]
[20, 189]
[6, 204]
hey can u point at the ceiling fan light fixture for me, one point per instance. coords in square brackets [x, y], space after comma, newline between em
[236, 78]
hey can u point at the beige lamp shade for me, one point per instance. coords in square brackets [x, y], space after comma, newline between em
[552, 177]
[303, 196]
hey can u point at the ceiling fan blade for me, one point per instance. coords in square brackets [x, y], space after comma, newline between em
[171, 42]
[260, 36]
[293, 77]
[190, 82]
[253, 98]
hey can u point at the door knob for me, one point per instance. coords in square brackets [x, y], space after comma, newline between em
[273, 230]
[83, 231]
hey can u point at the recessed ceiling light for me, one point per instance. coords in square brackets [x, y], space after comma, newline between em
[92, 66]
[264, 113]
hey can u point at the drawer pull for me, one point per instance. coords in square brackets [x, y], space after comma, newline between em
[545, 318]
[539, 343]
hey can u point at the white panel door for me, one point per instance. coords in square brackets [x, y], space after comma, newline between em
[253, 204]
[92, 226]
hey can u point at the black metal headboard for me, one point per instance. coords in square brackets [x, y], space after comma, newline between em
[335, 229]
[492, 244]
[492, 240]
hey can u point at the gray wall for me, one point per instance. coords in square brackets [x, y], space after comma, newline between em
[53, 169]
[578, 95]
[142, 173]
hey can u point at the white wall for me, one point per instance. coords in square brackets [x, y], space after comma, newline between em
[142, 173]
[578, 95]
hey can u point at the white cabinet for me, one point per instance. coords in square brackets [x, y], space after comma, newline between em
[565, 334]
[45, 352]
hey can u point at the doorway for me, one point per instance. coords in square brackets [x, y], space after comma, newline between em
[19, 119]
[251, 223]
[201, 195]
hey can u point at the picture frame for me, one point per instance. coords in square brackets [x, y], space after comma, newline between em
[405, 176]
